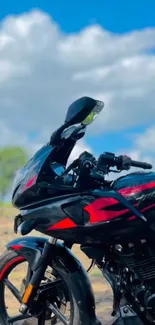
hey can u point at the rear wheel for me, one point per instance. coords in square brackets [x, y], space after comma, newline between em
[58, 308]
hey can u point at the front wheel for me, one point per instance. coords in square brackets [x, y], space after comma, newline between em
[58, 308]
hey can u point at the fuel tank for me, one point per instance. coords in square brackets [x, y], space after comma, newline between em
[103, 215]
[138, 188]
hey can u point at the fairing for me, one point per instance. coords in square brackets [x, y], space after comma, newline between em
[29, 175]
[98, 215]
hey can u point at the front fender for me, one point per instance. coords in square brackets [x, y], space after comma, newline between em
[29, 247]
[68, 267]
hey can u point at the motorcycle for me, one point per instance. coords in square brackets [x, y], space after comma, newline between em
[113, 221]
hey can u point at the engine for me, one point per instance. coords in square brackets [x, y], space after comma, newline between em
[138, 264]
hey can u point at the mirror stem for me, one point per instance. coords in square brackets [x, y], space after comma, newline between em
[56, 136]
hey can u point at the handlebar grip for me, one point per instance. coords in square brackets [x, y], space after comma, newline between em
[140, 164]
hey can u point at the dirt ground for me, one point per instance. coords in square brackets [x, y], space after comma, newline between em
[102, 290]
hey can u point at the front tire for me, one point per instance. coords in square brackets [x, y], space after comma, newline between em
[8, 261]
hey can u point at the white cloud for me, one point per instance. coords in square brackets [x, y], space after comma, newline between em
[142, 148]
[146, 141]
[143, 145]
[42, 70]
[78, 149]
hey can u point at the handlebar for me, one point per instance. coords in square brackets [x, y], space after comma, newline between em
[108, 159]
[140, 164]
[87, 167]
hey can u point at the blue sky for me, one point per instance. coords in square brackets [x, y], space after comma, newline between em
[116, 16]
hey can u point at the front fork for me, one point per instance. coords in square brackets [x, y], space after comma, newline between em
[37, 276]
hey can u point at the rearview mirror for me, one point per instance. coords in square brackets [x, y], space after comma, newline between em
[83, 110]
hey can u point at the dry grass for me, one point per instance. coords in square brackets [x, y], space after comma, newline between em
[101, 289]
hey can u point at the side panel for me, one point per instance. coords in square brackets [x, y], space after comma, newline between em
[70, 269]
[81, 218]
[63, 212]
[110, 205]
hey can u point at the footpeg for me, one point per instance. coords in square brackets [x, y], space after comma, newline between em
[127, 317]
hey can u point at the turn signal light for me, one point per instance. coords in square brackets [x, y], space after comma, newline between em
[27, 294]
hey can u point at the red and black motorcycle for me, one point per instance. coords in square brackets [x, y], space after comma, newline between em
[113, 221]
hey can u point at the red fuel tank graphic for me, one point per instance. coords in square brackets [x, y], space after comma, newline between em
[136, 189]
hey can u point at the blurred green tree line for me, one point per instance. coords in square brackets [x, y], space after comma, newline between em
[11, 159]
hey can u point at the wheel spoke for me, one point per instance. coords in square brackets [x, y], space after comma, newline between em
[57, 313]
[13, 289]
[49, 308]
